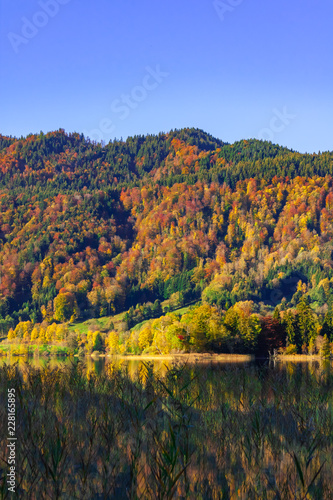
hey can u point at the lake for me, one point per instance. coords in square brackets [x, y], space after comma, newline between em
[156, 429]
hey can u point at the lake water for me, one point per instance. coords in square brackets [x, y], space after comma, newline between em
[243, 430]
[160, 367]
[98, 365]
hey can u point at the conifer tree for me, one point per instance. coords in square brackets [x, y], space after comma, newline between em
[326, 349]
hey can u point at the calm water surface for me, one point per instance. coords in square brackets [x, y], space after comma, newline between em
[100, 365]
[248, 430]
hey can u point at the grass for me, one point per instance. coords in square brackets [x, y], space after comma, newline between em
[4, 349]
[183, 310]
[139, 326]
[227, 432]
[103, 324]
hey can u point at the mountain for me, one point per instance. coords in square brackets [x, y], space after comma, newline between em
[88, 229]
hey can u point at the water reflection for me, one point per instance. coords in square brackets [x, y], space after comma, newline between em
[37, 361]
[238, 425]
[100, 365]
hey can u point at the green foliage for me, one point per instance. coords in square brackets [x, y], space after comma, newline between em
[290, 322]
[242, 328]
[328, 324]
[72, 342]
[307, 324]
[326, 349]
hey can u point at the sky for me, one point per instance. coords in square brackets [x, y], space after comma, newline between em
[238, 69]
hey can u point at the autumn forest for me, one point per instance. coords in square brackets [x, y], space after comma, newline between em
[197, 244]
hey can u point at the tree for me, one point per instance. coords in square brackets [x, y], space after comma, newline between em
[326, 348]
[272, 335]
[23, 330]
[312, 346]
[34, 334]
[250, 332]
[197, 321]
[61, 332]
[113, 342]
[157, 309]
[98, 343]
[177, 337]
[42, 336]
[51, 332]
[72, 342]
[290, 324]
[162, 341]
[276, 314]
[327, 328]
[242, 327]
[11, 334]
[65, 307]
[145, 338]
[307, 321]
[95, 341]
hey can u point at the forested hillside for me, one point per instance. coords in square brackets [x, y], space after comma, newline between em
[89, 230]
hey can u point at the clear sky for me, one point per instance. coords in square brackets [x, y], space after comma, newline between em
[108, 68]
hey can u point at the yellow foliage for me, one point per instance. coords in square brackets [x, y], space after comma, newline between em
[49, 333]
[11, 334]
[34, 334]
[42, 336]
[113, 342]
[61, 331]
[122, 349]
[145, 338]
[23, 330]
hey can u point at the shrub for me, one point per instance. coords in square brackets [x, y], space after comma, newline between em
[291, 349]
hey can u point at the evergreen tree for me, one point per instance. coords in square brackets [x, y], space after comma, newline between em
[157, 309]
[276, 314]
[326, 349]
[289, 324]
[307, 321]
[327, 328]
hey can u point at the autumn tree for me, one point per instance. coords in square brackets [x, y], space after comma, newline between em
[113, 342]
[65, 307]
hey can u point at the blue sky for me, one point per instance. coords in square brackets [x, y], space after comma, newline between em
[109, 68]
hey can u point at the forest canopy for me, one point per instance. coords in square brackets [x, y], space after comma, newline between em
[89, 230]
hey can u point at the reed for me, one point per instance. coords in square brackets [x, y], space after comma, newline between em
[217, 432]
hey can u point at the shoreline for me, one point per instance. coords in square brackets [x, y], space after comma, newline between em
[301, 357]
[189, 356]
[207, 357]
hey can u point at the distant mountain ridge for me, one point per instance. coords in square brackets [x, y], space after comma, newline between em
[63, 160]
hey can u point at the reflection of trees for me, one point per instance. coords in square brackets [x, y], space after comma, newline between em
[169, 430]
